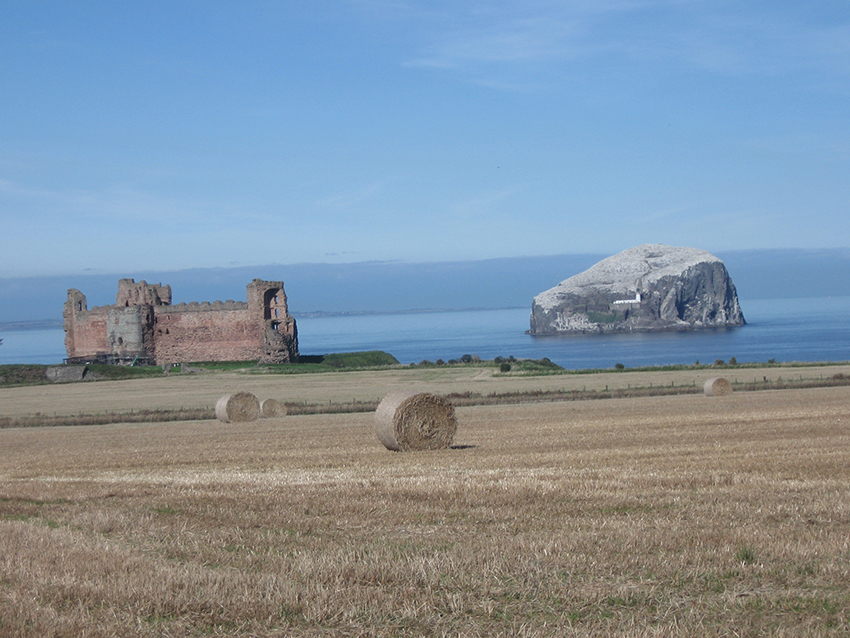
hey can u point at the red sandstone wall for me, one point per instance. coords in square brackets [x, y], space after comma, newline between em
[89, 335]
[221, 331]
[204, 335]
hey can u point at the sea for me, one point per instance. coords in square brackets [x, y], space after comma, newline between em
[783, 330]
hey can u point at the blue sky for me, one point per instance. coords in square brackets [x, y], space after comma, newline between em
[168, 135]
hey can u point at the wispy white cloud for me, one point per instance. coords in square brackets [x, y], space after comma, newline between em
[347, 200]
[498, 43]
[740, 42]
[524, 40]
[113, 203]
[480, 206]
[661, 215]
[825, 147]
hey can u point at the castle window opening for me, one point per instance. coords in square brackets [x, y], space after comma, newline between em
[270, 299]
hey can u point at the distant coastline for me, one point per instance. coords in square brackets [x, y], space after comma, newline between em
[413, 311]
[319, 290]
[43, 324]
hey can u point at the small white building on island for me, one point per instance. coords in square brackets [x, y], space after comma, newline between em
[629, 301]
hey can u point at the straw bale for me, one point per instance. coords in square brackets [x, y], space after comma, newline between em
[237, 408]
[409, 420]
[717, 387]
[270, 408]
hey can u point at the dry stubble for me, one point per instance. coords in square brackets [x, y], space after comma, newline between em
[658, 516]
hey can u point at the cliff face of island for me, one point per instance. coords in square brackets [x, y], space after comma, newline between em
[645, 288]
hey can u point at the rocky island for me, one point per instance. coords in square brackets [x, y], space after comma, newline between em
[646, 288]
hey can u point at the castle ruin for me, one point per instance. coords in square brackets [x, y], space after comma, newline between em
[143, 327]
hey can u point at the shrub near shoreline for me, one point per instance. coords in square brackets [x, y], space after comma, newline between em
[33, 374]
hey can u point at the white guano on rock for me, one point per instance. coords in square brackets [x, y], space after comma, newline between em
[645, 288]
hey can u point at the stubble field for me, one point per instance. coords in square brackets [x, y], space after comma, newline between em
[655, 516]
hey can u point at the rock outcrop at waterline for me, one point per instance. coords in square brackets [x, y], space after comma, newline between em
[645, 288]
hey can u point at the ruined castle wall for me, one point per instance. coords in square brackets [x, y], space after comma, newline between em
[143, 326]
[86, 333]
[205, 332]
[142, 293]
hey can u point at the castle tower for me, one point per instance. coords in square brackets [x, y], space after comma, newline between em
[74, 306]
[268, 308]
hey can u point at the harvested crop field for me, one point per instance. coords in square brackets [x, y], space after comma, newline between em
[656, 516]
[202, 391]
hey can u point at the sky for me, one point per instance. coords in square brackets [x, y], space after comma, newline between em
[168, 135]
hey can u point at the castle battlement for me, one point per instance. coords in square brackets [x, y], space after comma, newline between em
[208, 306]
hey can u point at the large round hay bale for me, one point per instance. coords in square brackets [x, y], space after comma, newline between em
[409, 420]
[717, 387]
[237, 408]
[271, 408]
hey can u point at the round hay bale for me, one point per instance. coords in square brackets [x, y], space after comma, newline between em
[717, 387]
[237, 408]
[270, 408]
[409, 420]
